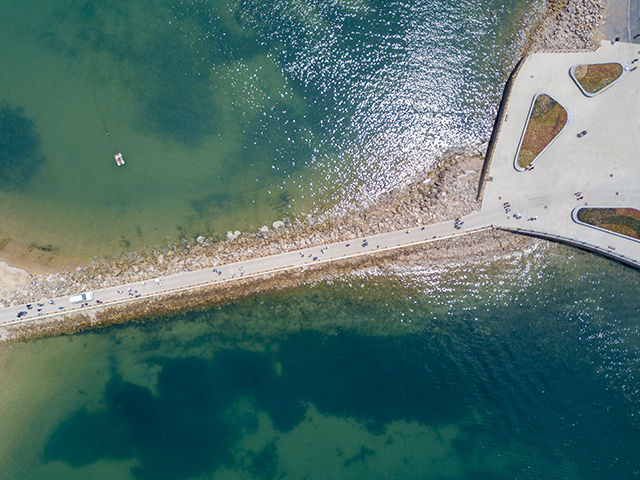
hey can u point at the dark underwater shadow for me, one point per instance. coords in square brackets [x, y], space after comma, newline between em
[20, 148]
[189, 428]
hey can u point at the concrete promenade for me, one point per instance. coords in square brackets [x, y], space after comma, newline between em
[622, 21]
[249, 268]
[604, 165]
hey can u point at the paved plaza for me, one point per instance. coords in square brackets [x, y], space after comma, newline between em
[603, 165]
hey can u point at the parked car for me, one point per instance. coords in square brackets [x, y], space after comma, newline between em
[81, 297]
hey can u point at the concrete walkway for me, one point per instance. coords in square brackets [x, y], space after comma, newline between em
[256, 267]
[634, 21]
[622, 20]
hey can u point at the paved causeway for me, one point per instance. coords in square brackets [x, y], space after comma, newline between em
[604, 166]
[249, 268]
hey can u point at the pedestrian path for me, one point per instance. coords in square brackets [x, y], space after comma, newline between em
[256, 267]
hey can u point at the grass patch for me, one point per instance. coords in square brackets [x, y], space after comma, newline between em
[623, 221]
[545, 122]
[596, 76]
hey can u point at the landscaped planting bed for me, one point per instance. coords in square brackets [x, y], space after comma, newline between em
[593, 78]
[545, 122]
[623, 221]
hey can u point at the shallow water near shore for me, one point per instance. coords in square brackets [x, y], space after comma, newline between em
[231, 115]
[529, 369]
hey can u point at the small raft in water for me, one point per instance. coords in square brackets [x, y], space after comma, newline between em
[119, 159]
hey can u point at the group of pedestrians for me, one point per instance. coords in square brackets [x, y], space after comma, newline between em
[130, 292]
[517, 215]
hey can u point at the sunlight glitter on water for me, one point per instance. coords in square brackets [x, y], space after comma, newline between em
[403, 97]
[484, 377]
[273, 108]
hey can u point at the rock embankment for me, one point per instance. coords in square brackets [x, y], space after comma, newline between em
[445, 193]
[569, 25]
[468, 251]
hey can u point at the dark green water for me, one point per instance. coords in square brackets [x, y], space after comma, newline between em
[529, 369]
[234, 114]
[231, 114]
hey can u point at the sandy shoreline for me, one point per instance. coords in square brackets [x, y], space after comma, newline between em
[445, 193]
[11, 277]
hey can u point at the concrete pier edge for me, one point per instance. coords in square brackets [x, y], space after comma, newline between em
[610, 254]
[497, 125]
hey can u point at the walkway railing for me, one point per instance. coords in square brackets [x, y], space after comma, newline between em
[578, 243]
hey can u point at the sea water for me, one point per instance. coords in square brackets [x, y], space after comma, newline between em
[231, 114]
[526, 369]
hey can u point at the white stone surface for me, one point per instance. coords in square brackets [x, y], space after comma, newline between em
[604, 165]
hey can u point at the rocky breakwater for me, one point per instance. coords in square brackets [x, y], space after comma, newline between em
[443, 194]
[569, 25]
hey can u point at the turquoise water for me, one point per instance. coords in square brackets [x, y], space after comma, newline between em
[235, 114]
[231, 114]
[525, 370]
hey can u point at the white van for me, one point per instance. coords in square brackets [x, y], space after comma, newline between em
[81, 297]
